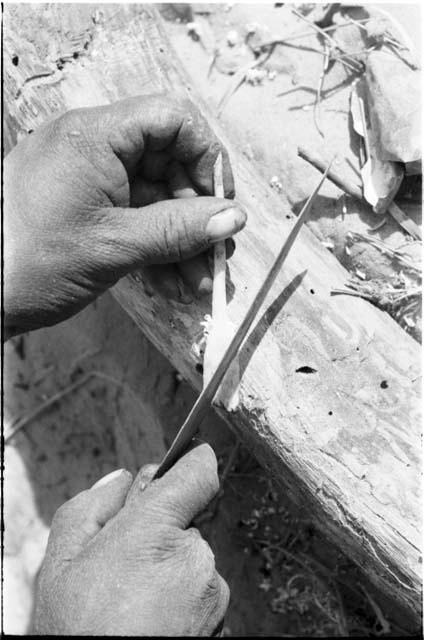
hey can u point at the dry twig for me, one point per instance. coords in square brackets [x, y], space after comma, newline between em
[325, 67]
[356, 191]
[385, 249]
[240, 77]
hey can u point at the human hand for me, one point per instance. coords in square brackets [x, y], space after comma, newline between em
[87, 201]
[123, 560]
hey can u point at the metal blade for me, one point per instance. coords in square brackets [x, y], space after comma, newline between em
[203, 402]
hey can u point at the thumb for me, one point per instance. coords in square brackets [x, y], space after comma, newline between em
[181, 493]
[142, 481]
[168, 231]
[77, 521]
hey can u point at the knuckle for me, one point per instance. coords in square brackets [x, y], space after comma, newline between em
[224, 592]
[66, 120]
[212, 604]
[60, 514]
[215, 595]
[69, 121]
[167, 534]
[200, 546]
[159, 544]
[173, 234]
[201, 554]
[183, 102]
[163, 235]
[193, 535]
[178, 233]
[81, 130]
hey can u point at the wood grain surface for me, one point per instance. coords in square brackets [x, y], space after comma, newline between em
[330, 389]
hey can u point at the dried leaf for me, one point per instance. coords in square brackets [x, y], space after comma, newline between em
[381, 178]
[360, 274]
[394, 102]
[355, 110]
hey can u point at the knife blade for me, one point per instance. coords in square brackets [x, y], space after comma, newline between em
[204, 401]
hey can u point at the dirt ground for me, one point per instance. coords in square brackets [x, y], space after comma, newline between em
[284, 579]
[272, 113]
[119, 404]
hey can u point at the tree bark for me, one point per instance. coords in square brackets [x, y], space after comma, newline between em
[330, 384]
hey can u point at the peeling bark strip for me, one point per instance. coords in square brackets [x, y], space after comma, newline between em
[313, 405]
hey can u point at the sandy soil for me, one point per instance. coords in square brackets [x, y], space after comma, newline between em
[271, 115]
[284, 578]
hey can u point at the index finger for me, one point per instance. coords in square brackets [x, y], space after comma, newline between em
[162, 122]
[180, 494]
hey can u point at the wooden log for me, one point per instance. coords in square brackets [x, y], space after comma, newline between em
[330, 385]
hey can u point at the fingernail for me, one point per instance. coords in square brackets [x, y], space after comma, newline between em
[146, 474]
[205, 287]
[108, 478]
[225, 223]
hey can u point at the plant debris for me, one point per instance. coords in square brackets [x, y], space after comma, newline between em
[321, 594]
